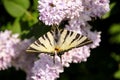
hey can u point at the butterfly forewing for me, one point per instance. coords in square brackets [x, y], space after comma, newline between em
[70, 39]
[44, 44]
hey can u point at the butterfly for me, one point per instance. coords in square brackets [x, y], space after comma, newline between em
[57, 41]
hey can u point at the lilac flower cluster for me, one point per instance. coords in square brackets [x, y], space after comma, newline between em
[47, 70]
[77, 12]
[54, 11]
[7, 48]
[13, 52]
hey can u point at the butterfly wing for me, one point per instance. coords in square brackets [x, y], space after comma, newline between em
[44, 44]
[70, 39]
[62, 39]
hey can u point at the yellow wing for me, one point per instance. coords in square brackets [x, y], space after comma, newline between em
[70, 39]
[44, 44]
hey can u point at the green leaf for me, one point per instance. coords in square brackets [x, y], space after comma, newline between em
[117, 74]
[115, 33]
[16, 28]
[115, 28]
[108, 13]
[34, 20]
[115, 39]
[16, 8]
[6, 27]
[115, 56]
[35, 4]
[24, 3]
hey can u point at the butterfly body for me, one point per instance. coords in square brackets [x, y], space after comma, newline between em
[58, 41]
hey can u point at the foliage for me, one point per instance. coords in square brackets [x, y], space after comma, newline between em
[21, 16]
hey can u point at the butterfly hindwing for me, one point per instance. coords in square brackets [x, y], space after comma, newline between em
[44, 44]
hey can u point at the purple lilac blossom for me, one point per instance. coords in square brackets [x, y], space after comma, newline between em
[46, 69]
[13, 53]
[7, 48]
[54, 11]
[24, 61]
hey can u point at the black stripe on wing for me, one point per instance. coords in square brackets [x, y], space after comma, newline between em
[47, 37]
[76, 37]
[30, 49]
[40, 44]
[85, 42]
[68, 32]
[43, 37]
[71, 33]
